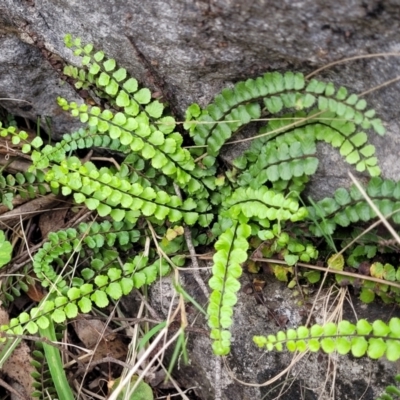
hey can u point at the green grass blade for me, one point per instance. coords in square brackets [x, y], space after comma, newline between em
[53, 358]
[146, 338]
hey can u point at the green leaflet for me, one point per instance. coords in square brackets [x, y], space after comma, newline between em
[5, 250]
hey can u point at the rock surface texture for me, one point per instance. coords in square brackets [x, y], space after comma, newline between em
[187, 51]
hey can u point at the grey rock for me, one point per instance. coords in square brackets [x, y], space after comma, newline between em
[32, 92]
[188, 51]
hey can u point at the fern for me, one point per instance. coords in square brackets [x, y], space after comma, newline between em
[348, 206]
[20, 136]
[257, 199]
[281, 161]
[374, 340]
[340, 117]
[102, 279]
[25, 185]
[134, 126]
[107, 193]
[42, 378]
[263, 205]
[231, 252]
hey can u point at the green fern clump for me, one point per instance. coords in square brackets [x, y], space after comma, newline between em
[103, 278]
[159, 184]
[138, 122]
[338, 120]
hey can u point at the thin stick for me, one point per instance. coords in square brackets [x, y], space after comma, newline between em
[217, 380]
[380, 86]
[11, 99]
[375, 55]
[12, 390]
[375, 208]
[323, 269]
[278, 130]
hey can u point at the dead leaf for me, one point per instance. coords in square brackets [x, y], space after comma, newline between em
[30, 209]
[18, 366]
[52, 221]
[35, 290]
[96, 336]
[172, 233]
[253, 267]
[336, 262]
[258, 284]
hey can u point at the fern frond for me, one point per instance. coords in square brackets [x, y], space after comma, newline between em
[338, 120]
[109, 194]
[13, 287]
[164, 151]
[97, 284]
[139, 124]
[231, 249]
[81, 139]
[390, 390]
[42, 379]
[348, 206]
[292, 154]
[26, 185]
[236, 107]
[19, 137]
[44, 383]
[233, 108]
[375, 340]
[281, 161]
[263, 205]
[94, 236]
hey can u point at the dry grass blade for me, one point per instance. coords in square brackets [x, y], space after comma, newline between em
[146, 356]
[30, 209]
[347, 59]
[278, 130]
[375, 208]
[15, 164]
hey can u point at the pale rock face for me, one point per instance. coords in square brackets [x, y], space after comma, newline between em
[188, 51]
